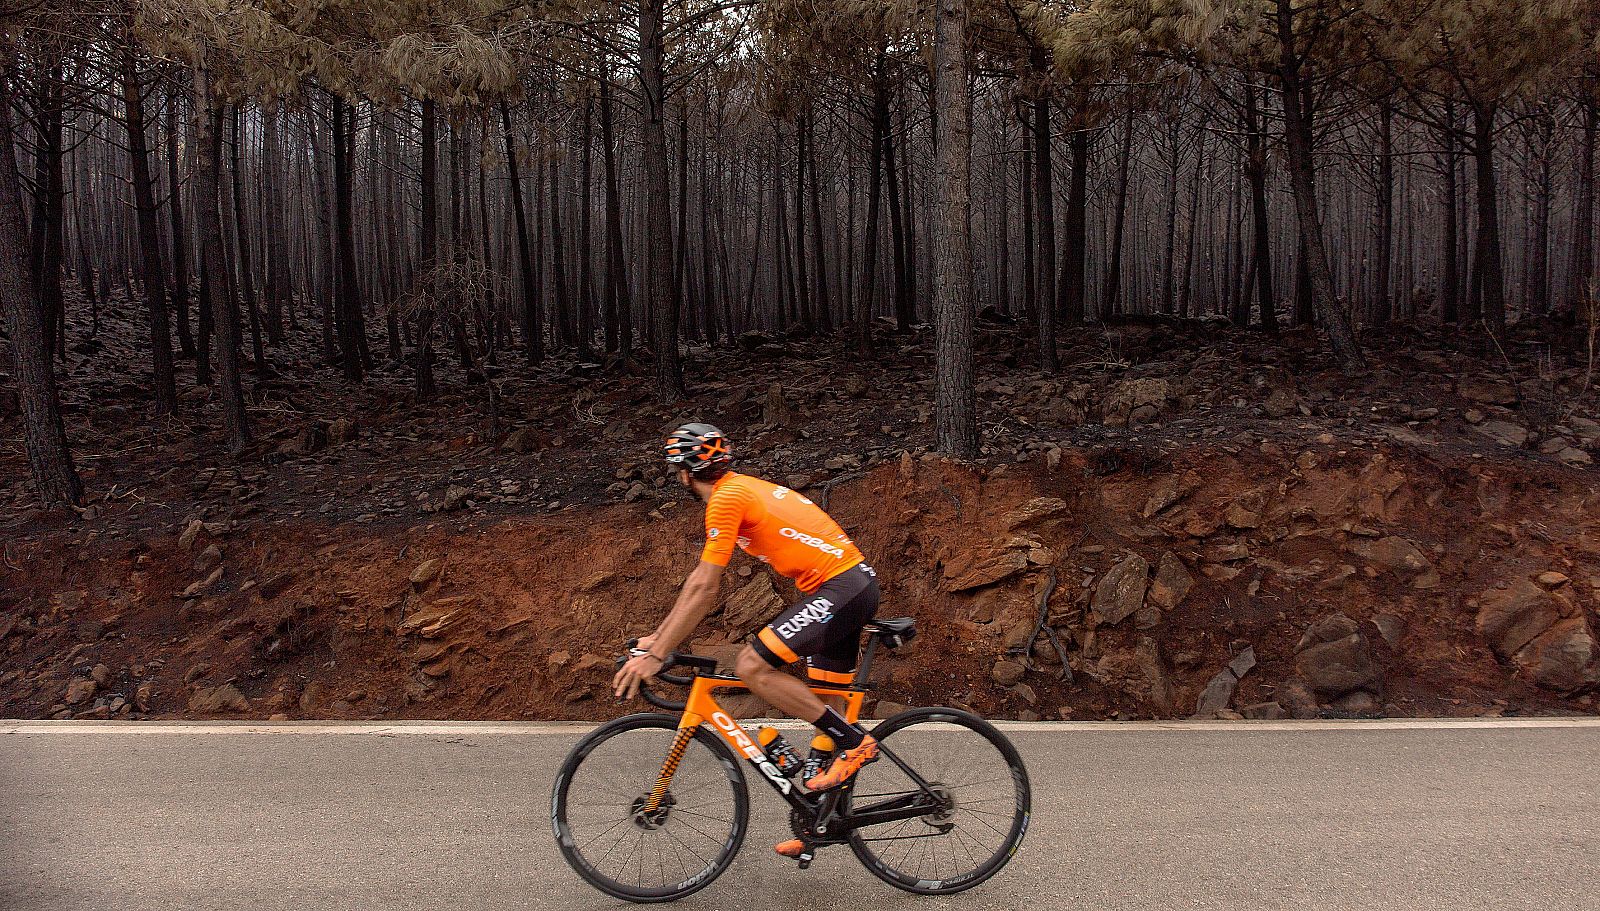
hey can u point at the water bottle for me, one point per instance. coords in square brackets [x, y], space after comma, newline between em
[821, 750]
[779, 750]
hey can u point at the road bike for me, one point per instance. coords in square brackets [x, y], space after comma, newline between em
[653, 807]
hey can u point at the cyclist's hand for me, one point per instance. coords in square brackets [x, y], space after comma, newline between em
[636, 671]
[646, 642]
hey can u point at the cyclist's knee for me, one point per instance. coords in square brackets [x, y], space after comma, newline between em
[750, 664]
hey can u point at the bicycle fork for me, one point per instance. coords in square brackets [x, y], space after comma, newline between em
[680, 745]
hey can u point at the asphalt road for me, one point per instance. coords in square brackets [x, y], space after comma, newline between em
[369, 818]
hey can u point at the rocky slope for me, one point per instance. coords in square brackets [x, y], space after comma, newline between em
[1189, 522]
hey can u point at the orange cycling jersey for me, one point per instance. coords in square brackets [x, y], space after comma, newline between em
[776, 526]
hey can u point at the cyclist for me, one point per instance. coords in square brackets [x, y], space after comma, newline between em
[796, 538]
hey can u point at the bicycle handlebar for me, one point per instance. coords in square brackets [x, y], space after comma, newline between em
[674, 659]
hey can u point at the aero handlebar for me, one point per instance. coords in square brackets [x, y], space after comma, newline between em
[674, 660]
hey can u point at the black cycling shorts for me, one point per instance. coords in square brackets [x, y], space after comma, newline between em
[824, 627]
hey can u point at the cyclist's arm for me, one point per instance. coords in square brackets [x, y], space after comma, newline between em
[695, 600]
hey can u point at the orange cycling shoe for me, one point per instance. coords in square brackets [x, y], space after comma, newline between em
[845, 765]
[794, 847]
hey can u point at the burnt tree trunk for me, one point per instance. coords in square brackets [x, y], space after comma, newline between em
[1044, 283]
[44, 435]
[144, 202]
[1580, 279]
[1256, 170]
[1299, 138]
[1113, 284]
[955, 400]
[224, 318]
[657, 192]
[180, 240]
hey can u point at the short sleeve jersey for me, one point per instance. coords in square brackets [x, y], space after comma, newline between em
[776, 526]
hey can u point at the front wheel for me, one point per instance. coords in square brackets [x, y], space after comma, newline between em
[639, 835]
[980, 789]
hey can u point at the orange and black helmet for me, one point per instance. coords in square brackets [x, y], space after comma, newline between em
[700, 449]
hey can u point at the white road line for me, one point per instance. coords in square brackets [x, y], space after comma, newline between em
[574, 728]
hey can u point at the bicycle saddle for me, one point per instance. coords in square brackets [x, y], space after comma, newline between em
[894, 633]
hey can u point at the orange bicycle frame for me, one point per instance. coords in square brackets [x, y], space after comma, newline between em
[702, 708]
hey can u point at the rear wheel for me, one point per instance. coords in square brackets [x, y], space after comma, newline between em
[608, 831]
[980, 794]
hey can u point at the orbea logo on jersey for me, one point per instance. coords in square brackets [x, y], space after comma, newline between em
[811, 541]
[818, 611]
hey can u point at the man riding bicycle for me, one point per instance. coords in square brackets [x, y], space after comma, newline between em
[796, 538]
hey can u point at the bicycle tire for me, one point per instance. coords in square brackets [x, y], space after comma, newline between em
[873, 776]
[567, 840]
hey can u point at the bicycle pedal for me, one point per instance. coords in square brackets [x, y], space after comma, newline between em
[805, 860]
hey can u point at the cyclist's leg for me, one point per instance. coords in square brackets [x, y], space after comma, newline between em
[814, 626]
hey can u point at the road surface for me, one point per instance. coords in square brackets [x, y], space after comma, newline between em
[368, 817]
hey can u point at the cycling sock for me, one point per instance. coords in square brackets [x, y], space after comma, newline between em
[846, 736]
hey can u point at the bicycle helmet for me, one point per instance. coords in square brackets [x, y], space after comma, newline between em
[701, 449]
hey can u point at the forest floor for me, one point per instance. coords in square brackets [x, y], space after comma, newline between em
[1208, 521]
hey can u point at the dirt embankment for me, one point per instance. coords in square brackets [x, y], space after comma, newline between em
[1254, 577]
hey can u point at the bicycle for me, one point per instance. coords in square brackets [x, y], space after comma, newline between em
[670, 805]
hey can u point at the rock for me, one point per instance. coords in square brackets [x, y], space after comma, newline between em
[1298, 700]
[754, 604]
[976, 568]
[1359, 702]
[209, 559]
[1280, 403]
[1026, 693]
[311, 439]
[1391, 554]
[196, 672]
[1327, 629]
[275, 585]
[203, 586]
[1504, 433]
[1486, 391]
[1241, 518]
[1263, 711]
[1553, 579]
[1134, 402]
[1243, 663]
[1335, 668]
[1392, 628]
[1138, 672]
[224, 698]
[1573, 456]
[635, 492]
[521, 441]
[455, 497]
[80, 690]
[1169, 490]
[144, 697]
[1562, 658]
[427, 571]
[341, 431]
[101, 675]
[1217, 694]
[1509, 618]
[1007, 673]
[1121, 591]
[192, 531]
[1039, 509]
[775, 412]
[1172, 582]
